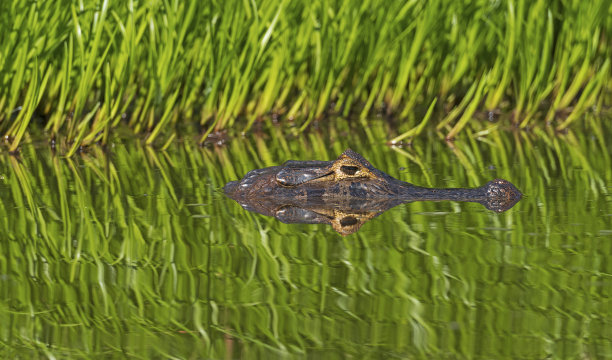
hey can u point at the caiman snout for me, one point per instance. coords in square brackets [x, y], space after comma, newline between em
[500, 188]
[500, 195]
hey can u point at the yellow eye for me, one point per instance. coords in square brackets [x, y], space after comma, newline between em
[349, 170]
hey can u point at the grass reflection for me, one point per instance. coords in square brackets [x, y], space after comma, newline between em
[135, 252]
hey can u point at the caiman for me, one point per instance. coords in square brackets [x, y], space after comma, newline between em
[316, 191]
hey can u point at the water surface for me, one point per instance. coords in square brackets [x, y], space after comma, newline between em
[137, 252]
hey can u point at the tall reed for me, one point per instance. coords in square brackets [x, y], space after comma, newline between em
[80, 70]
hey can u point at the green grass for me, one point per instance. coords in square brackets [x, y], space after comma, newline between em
[82, 70]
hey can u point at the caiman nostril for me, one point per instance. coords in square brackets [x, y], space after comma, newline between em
[349, 170]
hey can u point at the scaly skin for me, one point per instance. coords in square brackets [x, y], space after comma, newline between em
[352, 181]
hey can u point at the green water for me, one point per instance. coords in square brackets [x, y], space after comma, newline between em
[136, 252]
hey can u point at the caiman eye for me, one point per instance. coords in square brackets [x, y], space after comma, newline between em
[349, 170]
[348, 221]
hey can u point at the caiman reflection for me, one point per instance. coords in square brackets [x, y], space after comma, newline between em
[347, 192]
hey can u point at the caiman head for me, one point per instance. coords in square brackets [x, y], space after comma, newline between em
[348, 177]
[347, 192]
